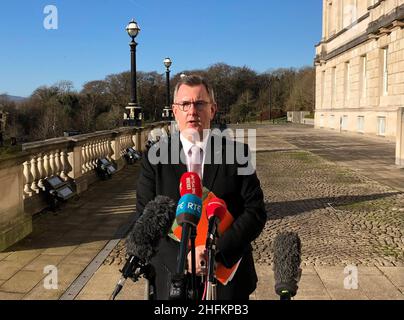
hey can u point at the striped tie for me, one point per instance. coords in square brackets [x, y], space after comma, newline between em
[196, 156]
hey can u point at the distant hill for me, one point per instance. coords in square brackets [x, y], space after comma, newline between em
[14, 98]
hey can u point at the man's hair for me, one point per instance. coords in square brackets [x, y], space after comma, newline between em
[195, 80]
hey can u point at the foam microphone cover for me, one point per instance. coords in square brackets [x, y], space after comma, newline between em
[216, 207]
[190, 183]
[287, 259]
[155, 223]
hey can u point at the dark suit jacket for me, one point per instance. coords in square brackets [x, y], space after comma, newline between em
[244, 199]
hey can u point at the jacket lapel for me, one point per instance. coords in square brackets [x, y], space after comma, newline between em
[211, 168]
[177, 165]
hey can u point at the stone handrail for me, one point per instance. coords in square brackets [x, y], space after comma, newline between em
[71, 158]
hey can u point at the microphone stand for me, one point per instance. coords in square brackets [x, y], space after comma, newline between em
[211, 293]
[179, 287]
[194, 291]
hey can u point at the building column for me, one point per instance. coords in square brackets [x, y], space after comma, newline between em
[325, 22]
[400, 137]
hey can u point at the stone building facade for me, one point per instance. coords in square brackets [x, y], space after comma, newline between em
[360, 69]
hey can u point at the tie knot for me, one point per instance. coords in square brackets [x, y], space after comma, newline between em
[195, 150]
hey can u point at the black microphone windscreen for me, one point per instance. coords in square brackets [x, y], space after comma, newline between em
[287, 259]
[154, 224]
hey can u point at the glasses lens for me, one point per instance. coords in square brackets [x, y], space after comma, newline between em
[199, 105]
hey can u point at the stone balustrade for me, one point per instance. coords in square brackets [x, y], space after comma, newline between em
[71, 158]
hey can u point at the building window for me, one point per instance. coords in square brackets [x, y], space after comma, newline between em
[364, 81]
[381, 126]
[385, 76]
[344, 123]
[332, 122]
[333, 86]
[361, 124]
[347, 82]
[322, 121]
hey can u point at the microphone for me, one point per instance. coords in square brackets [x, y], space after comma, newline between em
[191, 183]
[188, 213]
[215, 212]
[142, 242]
[287, 259]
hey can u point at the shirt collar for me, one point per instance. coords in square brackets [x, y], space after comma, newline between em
[186, 144]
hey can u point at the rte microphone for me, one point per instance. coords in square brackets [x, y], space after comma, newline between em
[188, 214]
[142, 242]
[190, 183]
[287, 259]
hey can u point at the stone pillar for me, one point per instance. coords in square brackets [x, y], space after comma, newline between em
[15, 224]
[75, 160]
[325, 22]
[400, 137]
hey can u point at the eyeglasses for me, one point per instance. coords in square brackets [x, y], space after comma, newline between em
[186, 105]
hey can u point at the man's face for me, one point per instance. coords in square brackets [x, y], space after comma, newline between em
[199, 114]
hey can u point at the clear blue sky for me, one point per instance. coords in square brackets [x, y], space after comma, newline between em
[91, 43]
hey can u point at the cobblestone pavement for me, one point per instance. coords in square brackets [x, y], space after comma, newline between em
[342, 216]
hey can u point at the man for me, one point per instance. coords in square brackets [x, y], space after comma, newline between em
[194, 108]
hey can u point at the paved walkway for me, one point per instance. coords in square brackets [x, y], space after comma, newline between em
[69, 239]
[344, 212]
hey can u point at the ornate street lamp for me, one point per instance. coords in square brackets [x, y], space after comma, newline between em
[135, 111]
[167, 112]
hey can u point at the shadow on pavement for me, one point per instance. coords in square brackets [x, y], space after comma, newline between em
[279, 210]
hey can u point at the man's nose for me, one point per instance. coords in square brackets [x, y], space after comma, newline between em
[192, 109]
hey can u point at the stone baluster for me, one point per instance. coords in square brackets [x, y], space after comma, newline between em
[41, 171]
[46, 168]
[57, 163]
[108, 148]
[63, 165]
[27, 179]
[83, 155]
[93, 152]
[88, 157]
[105, 148]
[100, 151]
[52, 163]
[35, 175]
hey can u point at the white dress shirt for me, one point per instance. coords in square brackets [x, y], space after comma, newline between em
[187, 145]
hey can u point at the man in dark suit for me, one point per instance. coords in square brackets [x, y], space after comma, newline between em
[194, 108]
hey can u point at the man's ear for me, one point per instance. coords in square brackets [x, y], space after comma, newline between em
[175, 110]
[213, 111]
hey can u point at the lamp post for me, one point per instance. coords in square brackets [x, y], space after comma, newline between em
[167, 112]
[270, 99]
[135, 111]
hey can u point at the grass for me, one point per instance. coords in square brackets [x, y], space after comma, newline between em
[345, 177]
[301, 156]
[366, 205]
[391, 251]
